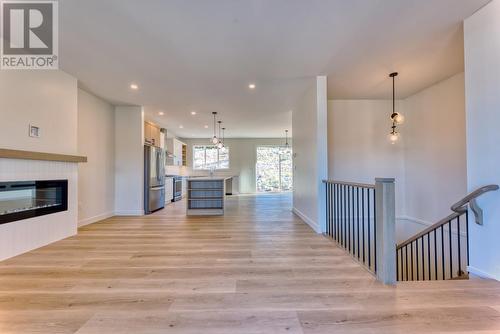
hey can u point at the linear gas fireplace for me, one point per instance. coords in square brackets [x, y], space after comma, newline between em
[28, 199]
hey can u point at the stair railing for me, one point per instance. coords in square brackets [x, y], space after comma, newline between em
[361, 219]
[441, 251]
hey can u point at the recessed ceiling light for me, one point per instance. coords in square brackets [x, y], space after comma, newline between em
[193, 113]
[161, 113]
[181, 126]
[134, 86]
[252, 86]
[206, 126]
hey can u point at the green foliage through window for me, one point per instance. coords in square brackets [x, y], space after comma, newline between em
[208, 157]
[274, 169]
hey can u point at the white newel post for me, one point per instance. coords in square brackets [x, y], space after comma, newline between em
[386, 229]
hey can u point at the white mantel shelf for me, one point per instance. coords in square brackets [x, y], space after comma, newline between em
[42, 156]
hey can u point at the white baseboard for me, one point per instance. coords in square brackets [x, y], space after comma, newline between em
[482, 274]
[129, 213]
[312, 224]
[94, 219]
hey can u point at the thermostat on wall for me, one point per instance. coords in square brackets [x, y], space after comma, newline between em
[34, 131]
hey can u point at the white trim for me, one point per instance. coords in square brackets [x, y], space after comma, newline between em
[414, 220]
[481, 273]
[312, 224]
[95, 219]
[129, 213]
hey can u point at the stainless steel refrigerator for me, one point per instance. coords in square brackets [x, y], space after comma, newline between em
[154, 178]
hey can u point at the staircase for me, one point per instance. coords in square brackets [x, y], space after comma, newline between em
[361, 219]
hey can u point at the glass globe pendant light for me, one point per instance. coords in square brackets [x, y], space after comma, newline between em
[215, 140]
[223, 148]
[219, 143]
[396, 117]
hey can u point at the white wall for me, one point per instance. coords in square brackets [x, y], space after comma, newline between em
[482, 83]
[435, 157]
[47, 99]
[129, 161]
[242, 158]
[309, 120]
[96, 140]
[358, 147]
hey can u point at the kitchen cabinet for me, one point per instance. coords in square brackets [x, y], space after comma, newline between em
[152, 134]
[169, 190]
[205, 196]
[179, 150]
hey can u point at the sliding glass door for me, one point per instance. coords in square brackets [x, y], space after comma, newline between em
[274, 169]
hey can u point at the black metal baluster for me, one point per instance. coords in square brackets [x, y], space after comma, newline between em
[363, 219]
[332, 214]
[451, 249]
[346, 190]
[416, 260]
[459, 248]
[406, 264]
[334, 199]
[397, 264]
[327, 209]
[330, 232]
[423, 260]
[411, 256]
[338, 213]
[357, 216]
[368, 226]
[429, 254]
[348, 217]
[343, 216]
[352, 224]
[375, 228]
[442, 250]
[435, 255]
[467, 233]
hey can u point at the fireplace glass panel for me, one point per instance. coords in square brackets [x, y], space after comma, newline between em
[22, 200]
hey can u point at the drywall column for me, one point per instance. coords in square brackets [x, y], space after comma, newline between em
[129, 161]
[310, 149]
[385, 205]
[482, 82]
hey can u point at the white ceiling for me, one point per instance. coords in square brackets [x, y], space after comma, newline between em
[201, 55]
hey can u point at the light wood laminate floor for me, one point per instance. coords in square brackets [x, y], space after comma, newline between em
[258, 269]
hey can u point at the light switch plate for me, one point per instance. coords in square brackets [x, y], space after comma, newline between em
[34, 131]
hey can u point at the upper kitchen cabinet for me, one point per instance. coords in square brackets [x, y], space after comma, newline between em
[179, 151]
[152, 134]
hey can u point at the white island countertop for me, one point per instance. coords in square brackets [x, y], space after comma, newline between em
[209, 178]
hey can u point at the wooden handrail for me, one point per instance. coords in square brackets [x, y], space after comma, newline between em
[460, 205]
[429, 229]
[459, 209]
[354, 184]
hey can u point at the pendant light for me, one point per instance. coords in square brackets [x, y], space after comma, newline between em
[286, 139]
[396, 117]
[223, 148]
[219, 142]
[215, 140]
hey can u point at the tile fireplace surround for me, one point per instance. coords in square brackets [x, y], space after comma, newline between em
[24, 235]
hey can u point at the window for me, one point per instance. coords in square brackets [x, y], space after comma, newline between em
[274, 170]
[208, 157]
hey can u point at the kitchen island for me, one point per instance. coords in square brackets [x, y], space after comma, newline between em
[205, 196]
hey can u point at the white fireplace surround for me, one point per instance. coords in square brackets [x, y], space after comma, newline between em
[22, 236]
